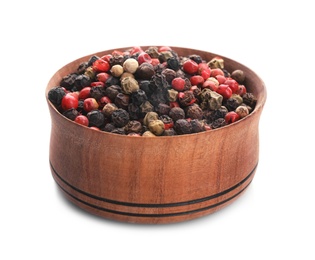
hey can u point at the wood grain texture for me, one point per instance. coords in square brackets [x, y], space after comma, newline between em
[155, 179]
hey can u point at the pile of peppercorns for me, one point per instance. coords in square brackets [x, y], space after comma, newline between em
[152, 92]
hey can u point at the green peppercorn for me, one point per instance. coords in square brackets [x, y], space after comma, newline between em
[129, 85]
[150, 116]
[156, 127]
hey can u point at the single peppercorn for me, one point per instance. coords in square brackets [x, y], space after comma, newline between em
[71, 113]
[177, 113]
[249, 99]
[186, 98]
[150, 116]
[97, 92]
[148, 134]
[173, 63]
[119, 131]
[82, 81]
[197, 126]
[117, 70]
[96, 118]
[55, 95]
[68, 81]
[169, 75]
[133, 126]
[138, 97]
[218, 123]
[109, 127]
[156, 127]
[183, 126]
[129, 85]
[122, 100]
[242, 111]
[194, 112]
[108, 109]
[145, 71]
[238, 75]
[120, 117]
[169, 132]
[163, 109]
[130, 65]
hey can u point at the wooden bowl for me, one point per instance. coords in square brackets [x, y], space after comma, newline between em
[155, 179]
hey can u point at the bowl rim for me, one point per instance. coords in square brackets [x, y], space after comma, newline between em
[261, 99]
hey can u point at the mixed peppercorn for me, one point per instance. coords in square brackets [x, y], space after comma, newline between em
[153, 92]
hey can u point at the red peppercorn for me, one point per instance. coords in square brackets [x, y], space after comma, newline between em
[210, 84]
[220, 78]
[107, 57]
[103, 101]
[97, 83]
[215, 72]
[190, 67]
[103, 76]
[90, 104]
[178, 84]
[224, 90]
[204, 70]
[82, 120]
[197, 80]
[100, 65]
[241, 90]
[231, 117]
[84, 93]
[69, 101]
[144, 57]
[155, 61]
[164, 48]
[135, 49]
[174, 104]
[232, 83]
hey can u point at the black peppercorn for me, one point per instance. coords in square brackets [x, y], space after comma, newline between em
[97, 92]
[82, 81]
[71, 113]
[82, 67]
[112, 81]
[163, 109]
[119, 131]
[218, 123]
[145, 71]
[194, 112]
[177, 113]
[133, 126]
[120, 117]
[55, 95]
[169, 75]
[138, 97]
[196, 58]
[122, 100]
[186, 98]
[109, 127]
[183, 126]
[169, 132]
[96, 118]
[249, 99]
[68, 81]
[112, 91]
[173, 63]
[92, 60]
[197, 126]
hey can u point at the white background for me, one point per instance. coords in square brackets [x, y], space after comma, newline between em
[274, 219]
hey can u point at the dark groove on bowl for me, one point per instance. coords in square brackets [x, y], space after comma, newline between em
[146, 205]
[154, 215]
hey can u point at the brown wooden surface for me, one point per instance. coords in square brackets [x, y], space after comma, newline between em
[155, 179]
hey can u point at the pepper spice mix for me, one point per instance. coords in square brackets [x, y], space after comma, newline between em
[153, 92]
